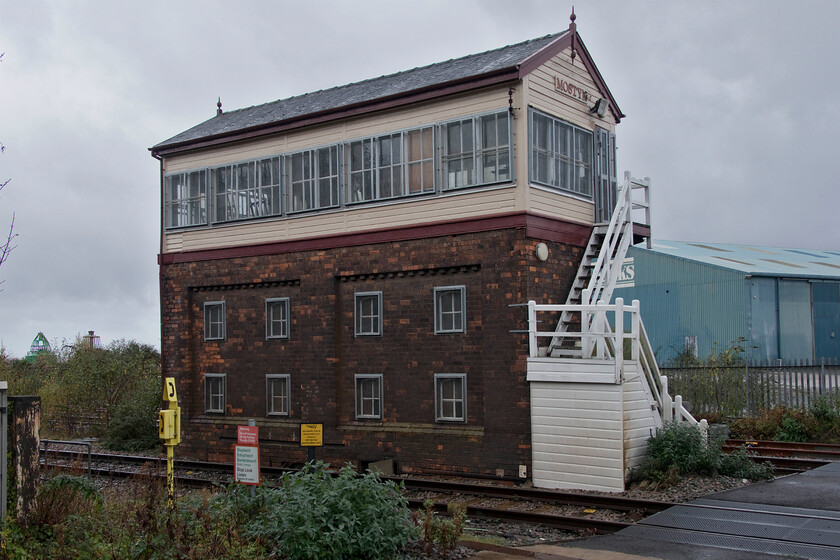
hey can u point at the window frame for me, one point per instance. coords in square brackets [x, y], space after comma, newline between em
[440, 379]
[246, 195]
[473, 147]
[285, 379]
[209, 396]
[189, 204]
[359, 381]
[208, 322]
[285, 322]
[311, 179]
[358, 317]
[553, 155]
[441, 291]
[390, 155]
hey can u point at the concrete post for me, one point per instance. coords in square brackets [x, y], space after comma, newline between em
[24, 442]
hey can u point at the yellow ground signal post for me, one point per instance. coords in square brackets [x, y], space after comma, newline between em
[170, 432]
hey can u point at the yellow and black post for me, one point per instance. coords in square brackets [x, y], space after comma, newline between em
[170, 433]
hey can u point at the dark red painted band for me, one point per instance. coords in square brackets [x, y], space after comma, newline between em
[536, 227]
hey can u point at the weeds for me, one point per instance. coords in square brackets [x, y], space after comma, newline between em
[312, 515]
[439, 534]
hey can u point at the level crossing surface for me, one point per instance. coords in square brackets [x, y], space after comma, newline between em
[797, 516]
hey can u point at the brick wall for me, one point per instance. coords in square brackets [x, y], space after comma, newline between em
[322, 354]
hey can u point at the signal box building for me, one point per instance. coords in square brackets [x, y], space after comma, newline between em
[358, 257]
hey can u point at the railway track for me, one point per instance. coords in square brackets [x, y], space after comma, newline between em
[511, 503]
[508, 503]
[787, 457]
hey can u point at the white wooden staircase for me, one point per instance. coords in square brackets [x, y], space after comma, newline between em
[602, 259]
[596, 391]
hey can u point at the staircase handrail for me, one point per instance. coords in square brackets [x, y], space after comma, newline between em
[650, 369]
[614, 247]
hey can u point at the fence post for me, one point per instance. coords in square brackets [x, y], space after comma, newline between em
[748, 410]
[586, 343]
[619, 338]
[635, 330]
[822, 375]
[533, 349]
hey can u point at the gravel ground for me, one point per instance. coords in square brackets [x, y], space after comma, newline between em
[516, 534]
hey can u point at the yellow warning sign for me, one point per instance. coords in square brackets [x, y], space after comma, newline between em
[311, 435]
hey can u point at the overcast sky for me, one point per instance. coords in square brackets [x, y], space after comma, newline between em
[731, 110]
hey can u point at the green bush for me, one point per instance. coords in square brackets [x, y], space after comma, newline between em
[680, 449]
[676, 450]
[312, 515]
[315, 515]
[738, 464]
[134, 424]
[792, 429]
[821, 422]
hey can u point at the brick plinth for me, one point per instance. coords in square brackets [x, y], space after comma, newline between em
[323, 354]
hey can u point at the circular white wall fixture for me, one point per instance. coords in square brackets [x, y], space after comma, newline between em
[542, 251]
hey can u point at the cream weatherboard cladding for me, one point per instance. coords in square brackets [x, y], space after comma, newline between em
[537, 90]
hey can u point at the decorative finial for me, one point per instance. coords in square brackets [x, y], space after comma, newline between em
[219, 105]
[573, 31]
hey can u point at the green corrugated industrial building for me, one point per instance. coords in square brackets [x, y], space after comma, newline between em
[783, 303]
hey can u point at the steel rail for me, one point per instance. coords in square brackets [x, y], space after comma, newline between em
[617, 503]
[569, 523]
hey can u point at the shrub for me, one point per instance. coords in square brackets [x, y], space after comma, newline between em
[676, 450]
[60, 497]
[792, 428]
[134, 424]
[680, 449]
[315, 515]
[738, 464]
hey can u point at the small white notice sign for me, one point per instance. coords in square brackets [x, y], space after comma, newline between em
[246, 464]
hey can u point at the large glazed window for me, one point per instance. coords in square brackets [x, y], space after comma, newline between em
[313, 179]
[561, 154]
[185, 199]
[476, 150]
[391, 166]
[246, 190]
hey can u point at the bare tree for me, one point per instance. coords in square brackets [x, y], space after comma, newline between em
[7, 246]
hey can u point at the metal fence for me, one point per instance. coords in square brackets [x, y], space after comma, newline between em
[745, 390]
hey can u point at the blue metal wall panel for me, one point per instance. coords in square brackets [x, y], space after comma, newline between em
[826, 320]
[764, 321]
[796, 327]
[682, 298]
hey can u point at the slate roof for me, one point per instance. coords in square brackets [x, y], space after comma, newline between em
[385, 87]
[756, 260]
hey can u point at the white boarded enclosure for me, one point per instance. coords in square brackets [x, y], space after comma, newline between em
[587, 430]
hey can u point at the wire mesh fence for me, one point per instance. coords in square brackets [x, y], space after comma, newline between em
[744, 390]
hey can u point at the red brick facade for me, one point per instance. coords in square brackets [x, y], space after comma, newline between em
[498, 269]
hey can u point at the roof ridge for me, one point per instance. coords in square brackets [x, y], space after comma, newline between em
[395, 74]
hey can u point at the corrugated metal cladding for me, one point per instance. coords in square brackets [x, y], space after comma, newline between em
[682, 299]
[791, 312]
